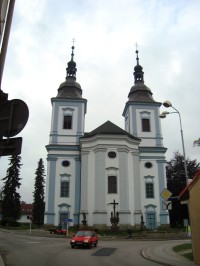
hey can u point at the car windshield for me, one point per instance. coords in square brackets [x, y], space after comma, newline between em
[84, 233]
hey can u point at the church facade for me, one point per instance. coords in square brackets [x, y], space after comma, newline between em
[110, 171]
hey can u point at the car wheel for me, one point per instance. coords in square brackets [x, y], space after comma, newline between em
[72, 246]
[95, 244]
[90, 245]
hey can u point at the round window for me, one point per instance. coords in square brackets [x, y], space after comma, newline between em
[148, 165]
[112, 154]
[65, 163]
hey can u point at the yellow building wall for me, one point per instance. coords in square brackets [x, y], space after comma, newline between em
[194, 210]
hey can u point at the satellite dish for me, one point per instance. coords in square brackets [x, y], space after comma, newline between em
[13, 117]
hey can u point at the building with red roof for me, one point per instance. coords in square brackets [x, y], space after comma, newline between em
[191, 195]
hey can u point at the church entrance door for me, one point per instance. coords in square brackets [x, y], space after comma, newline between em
[151, 221]
[63, 219]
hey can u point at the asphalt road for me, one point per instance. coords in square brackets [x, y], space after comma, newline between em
[27, 250]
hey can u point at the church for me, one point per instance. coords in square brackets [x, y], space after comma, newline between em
[90, 174]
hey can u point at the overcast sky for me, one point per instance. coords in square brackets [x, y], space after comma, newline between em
[105, 32]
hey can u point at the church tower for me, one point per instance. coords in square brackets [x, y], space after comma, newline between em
[142, 120]
[63, 160]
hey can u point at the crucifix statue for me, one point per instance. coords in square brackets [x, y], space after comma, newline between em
[114, 217]
[114, 206]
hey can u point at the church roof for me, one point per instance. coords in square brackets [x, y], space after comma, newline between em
[70, 88]
[184, 194]
[109, 128]
[140, 93]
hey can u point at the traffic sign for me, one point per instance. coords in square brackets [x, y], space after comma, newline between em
[68, 220]
[13, 117]
[167, 205]
[10, 146]
[166, 194]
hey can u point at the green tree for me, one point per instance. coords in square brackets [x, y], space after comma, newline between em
[1, 198]
[176, 182]
[38, 195]
[196, 142]
[11, 207]
[1, 194]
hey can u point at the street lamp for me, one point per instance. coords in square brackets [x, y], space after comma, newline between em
[168, 104]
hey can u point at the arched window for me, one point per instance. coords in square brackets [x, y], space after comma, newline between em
[149, 187]
[149, 190]
[65, 186]
[67, 122]
[64, 189]
[67, 118]
[145, 121]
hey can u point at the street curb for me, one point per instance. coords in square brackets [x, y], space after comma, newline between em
[156, 261]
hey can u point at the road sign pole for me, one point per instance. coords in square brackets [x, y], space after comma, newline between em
[67, 228]
[30, 227]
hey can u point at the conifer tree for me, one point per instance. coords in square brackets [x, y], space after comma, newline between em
[1, 194]
[38, 195]
[11, 209]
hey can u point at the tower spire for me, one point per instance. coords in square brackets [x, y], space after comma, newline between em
[139, 91]
[71, 69]
[138, 73]
[137, 58]
[72, 54]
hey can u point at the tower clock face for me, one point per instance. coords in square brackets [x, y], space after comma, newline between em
[112, 154]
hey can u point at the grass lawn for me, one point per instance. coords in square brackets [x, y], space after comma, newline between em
[185, 250]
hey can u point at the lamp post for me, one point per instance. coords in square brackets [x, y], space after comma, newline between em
[168, 104]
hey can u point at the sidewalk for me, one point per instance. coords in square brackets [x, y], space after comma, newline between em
[164, 255]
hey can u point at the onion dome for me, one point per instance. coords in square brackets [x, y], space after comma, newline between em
[139, 91]
[70, 88]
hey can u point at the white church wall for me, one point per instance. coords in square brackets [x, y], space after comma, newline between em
[132, 175]
[91, 183]
[64, 173]
[95, 157]
[67, 136]
[139, 113]
[147, 141]
[156, 174]
[133, 113]
[74, 113]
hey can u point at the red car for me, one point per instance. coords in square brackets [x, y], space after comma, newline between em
[84, 238]
[61, 231]
[57, 230]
